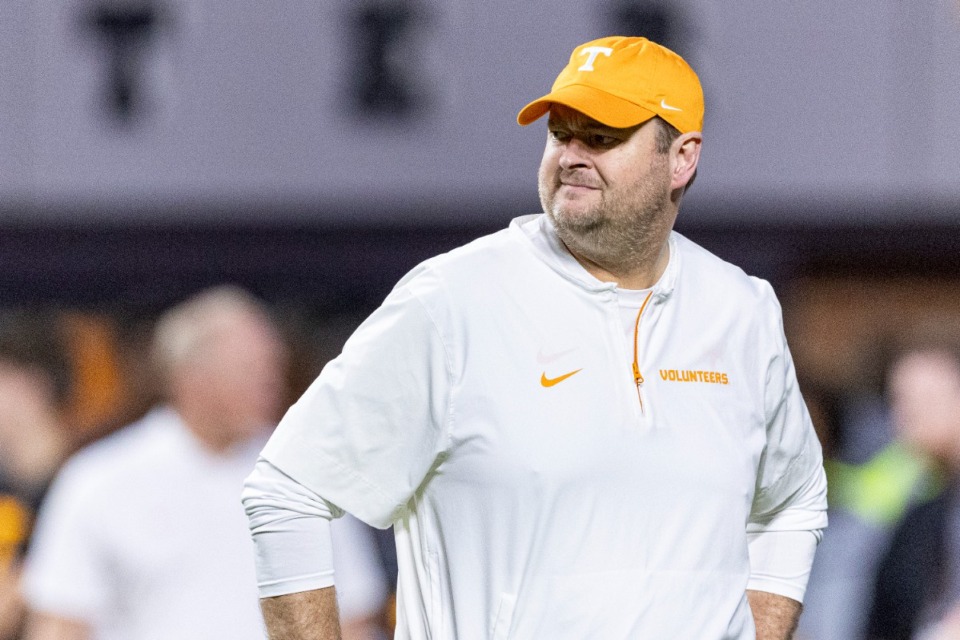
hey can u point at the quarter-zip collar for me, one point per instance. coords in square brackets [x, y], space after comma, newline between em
[537, 232]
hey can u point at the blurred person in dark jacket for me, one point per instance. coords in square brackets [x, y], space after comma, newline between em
[917, 587]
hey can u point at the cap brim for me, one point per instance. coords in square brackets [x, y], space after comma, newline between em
[601, 106]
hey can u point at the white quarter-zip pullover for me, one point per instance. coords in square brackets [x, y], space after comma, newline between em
[490, 412]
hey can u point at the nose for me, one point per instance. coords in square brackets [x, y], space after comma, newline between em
[575, 153]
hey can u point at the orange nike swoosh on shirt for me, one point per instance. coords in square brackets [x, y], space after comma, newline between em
[549, 382]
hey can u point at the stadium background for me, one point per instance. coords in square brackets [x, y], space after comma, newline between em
[315, 150]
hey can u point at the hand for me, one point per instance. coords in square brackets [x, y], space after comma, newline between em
[11, 603]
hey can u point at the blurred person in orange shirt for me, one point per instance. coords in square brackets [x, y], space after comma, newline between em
[34, 385]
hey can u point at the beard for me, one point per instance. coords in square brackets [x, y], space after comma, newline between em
[620, 230]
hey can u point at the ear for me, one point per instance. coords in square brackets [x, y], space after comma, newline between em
[684, 158]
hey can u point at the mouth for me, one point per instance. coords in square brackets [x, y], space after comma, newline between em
[578, 182]
[576, 188]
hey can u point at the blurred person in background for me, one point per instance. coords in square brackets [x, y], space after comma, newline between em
[142, 535]
[868, 495]
[35, 381]
[916, 593]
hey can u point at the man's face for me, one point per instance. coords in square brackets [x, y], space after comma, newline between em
[605, 189]
[925, 398]
[241, 376]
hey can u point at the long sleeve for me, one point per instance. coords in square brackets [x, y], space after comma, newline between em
[290, 526]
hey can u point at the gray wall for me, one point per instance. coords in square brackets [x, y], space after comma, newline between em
[841, 109]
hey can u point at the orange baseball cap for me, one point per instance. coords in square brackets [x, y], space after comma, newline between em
[622, 82]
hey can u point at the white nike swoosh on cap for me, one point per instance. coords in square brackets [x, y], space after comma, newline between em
[664, 105]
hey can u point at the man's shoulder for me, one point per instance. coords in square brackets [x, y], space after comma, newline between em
[461, 267]
[107, 461]
[710, 273]
[483, 250]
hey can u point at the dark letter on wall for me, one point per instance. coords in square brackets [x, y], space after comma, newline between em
[383, 84]
[654, 20]
[124, 31]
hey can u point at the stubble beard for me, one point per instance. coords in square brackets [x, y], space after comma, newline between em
[621, 232]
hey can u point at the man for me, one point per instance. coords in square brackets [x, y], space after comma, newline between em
[141, 535]
[35, 384]
[574, 425]
[916, 586]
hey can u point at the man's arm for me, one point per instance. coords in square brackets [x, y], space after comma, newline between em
[42, 626]
[307, 615]
[775, 616]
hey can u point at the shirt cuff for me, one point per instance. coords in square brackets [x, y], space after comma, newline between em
[780, 561]
[291, 533]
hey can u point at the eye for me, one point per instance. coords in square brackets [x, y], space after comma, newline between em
[598, 140]
[559, 135]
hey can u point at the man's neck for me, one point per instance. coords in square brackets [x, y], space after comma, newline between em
[213, 436]
[642, 274]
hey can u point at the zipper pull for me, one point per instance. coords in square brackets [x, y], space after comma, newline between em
[637, 376]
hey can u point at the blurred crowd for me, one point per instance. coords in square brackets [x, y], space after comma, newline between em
[121, 468]
[130, 526]
[888, 567]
